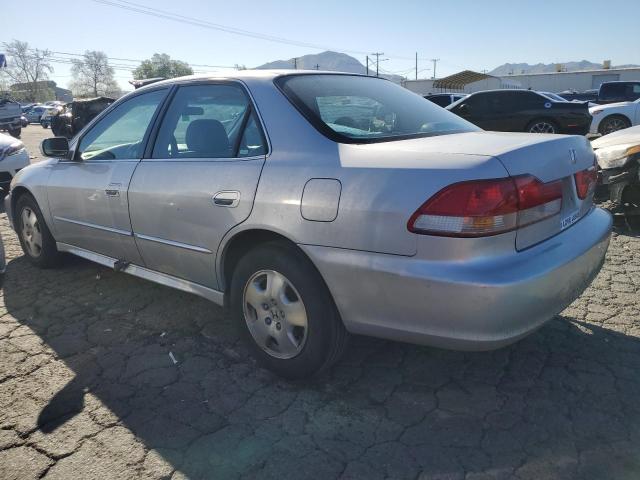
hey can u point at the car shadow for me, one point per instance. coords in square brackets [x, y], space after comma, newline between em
[167, 366]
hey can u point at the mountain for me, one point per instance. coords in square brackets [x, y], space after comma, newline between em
[519, 68]
[331, 61]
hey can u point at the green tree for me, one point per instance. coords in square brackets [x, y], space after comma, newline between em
[161, 65]
[93, 76]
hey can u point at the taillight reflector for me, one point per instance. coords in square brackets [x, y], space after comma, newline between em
[487, 207]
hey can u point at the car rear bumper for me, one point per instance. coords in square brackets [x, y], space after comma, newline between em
[479, 305]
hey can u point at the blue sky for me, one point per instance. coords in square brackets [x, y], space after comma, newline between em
[464, 34]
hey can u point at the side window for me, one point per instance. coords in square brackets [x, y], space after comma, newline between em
[612, 91]
[120, 134]
[204, 121]
[252, 142]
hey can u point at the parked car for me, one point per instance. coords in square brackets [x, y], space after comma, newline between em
[10, 117]
[34, 115]
[614, 116]
[48, 114]
[411, 224]
[27, 106]
[75, 115]
[618, 156]
[13, 158]
[522, 111]
[615, 92]
[444, 99]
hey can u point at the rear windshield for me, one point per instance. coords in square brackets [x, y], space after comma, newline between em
[358, 109]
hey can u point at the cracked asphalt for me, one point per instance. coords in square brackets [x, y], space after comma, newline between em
[88, 390]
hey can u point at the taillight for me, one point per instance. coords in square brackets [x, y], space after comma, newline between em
[487, 207]
[585, 181]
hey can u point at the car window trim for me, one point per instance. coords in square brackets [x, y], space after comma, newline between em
[147, 157]
[76, 143]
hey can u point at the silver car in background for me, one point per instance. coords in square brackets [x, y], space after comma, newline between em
[317, 204]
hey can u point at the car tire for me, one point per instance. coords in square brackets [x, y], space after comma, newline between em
[36, 240]
[272, 285]
[613, 123]
[542, 125]
[44, 125]
[15, 132]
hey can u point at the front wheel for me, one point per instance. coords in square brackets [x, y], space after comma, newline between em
[286, 312]
[542, 126]
[36, 240]
[15, 132]
[613, 123]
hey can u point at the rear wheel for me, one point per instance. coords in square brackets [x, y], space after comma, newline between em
[613, 123]
[36, 240]
[542, 126]
[286, 312]
[15, 132]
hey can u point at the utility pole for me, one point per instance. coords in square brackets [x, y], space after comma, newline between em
[295, 63]
[416, 65]
[317, 67]
[367, 65]
[435, 61]
[377, 54]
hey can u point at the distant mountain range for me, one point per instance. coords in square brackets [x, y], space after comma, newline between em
[520, 68]
[341, 62]
[331, 61]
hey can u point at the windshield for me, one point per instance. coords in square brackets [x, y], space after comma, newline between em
[358, 109]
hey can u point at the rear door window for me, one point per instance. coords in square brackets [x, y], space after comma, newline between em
[208, 121]
[613, 91]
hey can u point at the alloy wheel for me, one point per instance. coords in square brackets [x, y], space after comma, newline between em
[31, 234]
[542, 127]
[275, 314]
[613, 125]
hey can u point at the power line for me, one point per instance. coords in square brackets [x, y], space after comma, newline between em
[164, 14]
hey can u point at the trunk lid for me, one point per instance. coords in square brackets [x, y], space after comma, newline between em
[553, 157]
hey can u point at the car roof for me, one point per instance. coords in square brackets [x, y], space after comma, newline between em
[255, 75]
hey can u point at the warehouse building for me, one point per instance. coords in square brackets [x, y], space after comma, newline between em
[578, 81]
[468, 81]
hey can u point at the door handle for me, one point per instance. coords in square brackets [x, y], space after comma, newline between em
[227, 198]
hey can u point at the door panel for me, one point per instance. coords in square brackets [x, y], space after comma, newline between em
[177, 225]
[201, 181]
[88, 195]
[85, 214]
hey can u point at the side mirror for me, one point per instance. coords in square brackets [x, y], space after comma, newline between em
[57, 147]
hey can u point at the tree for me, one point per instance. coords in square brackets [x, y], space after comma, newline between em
[161, 65]
[28, 67]
[93, 76]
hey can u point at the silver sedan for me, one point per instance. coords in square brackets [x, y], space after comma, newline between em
[316, 205]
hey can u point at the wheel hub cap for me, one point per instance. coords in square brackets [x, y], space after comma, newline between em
[31, 234]
[275, 314]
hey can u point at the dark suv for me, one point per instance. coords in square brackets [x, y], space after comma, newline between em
[613, 92]
[522, 111]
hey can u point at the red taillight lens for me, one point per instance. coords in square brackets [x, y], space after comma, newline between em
[487, 207]
[585, 182]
